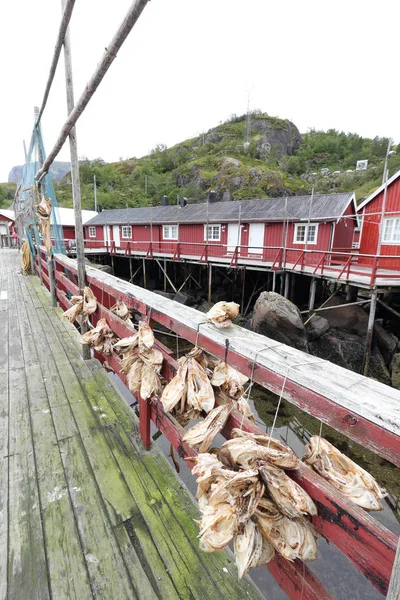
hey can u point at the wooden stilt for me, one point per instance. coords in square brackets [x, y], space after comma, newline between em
[112, 264]
[165, 275]
[52, 280]
[370, 331]
[209, 281]
[287, 285]
[144, 274]
[130, 269]
[273, 281]
[352, 293]
[282, 284]
[313, 289]
[243, 287]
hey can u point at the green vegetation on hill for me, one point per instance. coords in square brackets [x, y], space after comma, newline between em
[275, 161]
[7, 192]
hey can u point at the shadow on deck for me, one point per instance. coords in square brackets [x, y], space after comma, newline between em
[85, 512]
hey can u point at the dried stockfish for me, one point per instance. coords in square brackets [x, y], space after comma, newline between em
[175, 391]
[290, 498]
[202, 434]
[200, 395]
[228, 379]
[292, 538]
[44, 207]
[121, 310]
[75, 310]
[223, 313]
[101, 337]
[244, 408]
[251, 549]
[89, 302]
[277, 453]
[343, 473]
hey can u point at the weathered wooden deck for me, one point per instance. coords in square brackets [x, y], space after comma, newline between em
[85, 512]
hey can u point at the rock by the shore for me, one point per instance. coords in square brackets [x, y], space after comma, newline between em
[316, 327]
[279, 319]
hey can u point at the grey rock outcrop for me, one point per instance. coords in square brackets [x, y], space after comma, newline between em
[395, 369]
[279, 319]
[317, 327]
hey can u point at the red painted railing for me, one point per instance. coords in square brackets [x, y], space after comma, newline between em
[341, 264]
[364, 541]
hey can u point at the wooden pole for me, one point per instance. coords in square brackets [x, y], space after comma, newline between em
[389, 308]
[76, 186]
[370, 331]
[209, 282]
[287, 285]
[165, 275]
[313, 289]
[130, 269]
[67, 8]
[243, 287]
[144, 274]
[111, 52]
[394, 585]
[273, 281]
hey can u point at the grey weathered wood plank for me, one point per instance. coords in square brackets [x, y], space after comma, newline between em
[4, 307]
[106, 567]
[394, 587]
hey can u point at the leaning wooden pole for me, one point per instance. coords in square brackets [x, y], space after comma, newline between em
[76, 186]
[125, 28]
[370, 331]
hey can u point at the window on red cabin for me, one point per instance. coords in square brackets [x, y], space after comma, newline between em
[303, 232]
[92, 232]
[170, 232]
[391, 231]
[126, 232]
[212, 233]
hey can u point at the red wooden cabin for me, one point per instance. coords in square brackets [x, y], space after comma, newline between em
[379, 221]
[66, 218]
[253, 229]
[7, 221]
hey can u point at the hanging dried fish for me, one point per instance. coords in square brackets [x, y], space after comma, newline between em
[175, 391]
[89, 302]
[200, 395]
[290, 498]
[101, 337]
[75, 310]
[243, 407]
[44, 207]
[228, 379]
[251, 549]
[223, 313]
[44, 226]
[292, 538]
[343, 473]
[121, 310]
[125, 345]
[203, 434]
[278, 453]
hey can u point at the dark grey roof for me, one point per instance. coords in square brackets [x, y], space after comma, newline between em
[323, 207]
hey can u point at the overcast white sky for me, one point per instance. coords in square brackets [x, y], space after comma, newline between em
[189, 64]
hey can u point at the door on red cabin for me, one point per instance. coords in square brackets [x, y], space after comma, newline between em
[233, 237]
[107, 236]
[256, 238]
[116, 235]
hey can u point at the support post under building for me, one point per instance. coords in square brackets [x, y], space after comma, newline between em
[313, 289]
[370, 330]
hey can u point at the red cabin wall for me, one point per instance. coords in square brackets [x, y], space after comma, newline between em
[344, 231]
[370, 228]
[69, 232]
[8, 220]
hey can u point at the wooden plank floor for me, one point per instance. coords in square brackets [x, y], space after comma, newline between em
[85, 512]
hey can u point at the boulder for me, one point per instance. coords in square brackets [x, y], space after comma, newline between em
[387, 342]
[352, 319]
[347, 350]
[317, 327]
[279, 319]
[185, 299]
[395, 370]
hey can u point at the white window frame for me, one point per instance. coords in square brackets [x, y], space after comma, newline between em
[123, 232]
[215, 229]
[306, 226]
[91, 229]
[389, 225]
[169, 232]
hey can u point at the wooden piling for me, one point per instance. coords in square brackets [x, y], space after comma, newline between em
[130, 269]
[313, 289]
[165, 275]
[209, 281]
[243, 287]
[273, 281]
[287, 285]
[144, 274]
[370, 331]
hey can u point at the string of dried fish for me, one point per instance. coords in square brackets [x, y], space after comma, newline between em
[122, 311]
[203, 434]
[141, 362]
[343, 473]
[229, 380]
[101, 337]
[190, 391]
[223, 313]
[236, 504]
[84, 304]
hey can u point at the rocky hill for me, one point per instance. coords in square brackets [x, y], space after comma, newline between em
[246, 157]
[57, 171]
